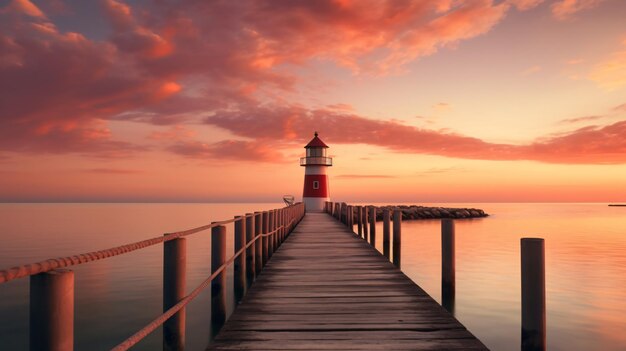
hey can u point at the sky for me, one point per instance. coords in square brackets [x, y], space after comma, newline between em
[213, 101]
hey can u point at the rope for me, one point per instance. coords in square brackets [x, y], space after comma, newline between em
[50, 264]
[62, 262]
[157, 322]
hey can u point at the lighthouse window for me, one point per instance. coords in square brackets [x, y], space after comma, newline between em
[316, 184]
[316, 152]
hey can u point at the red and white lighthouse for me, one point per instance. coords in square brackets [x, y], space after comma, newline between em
[315, 178]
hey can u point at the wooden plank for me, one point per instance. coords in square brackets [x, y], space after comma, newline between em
[327, 289]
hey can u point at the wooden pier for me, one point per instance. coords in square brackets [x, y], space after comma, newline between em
[302, 281]
[327, 289]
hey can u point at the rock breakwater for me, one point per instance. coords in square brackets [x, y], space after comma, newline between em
[423, 212]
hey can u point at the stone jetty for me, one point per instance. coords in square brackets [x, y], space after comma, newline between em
[422, 212]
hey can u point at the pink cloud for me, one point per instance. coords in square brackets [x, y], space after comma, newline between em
[524, 5]
[60, 88]
[175, 133]
[237, 150]
[121, 171]
[171, 62]
[565, 9]
[581, 119]
[610, 73]
[593, 145]
[167, 64]
[23, 7]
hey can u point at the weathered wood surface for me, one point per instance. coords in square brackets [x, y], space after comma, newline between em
[326, 289]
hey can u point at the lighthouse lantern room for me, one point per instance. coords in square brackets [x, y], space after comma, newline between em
[316, 190]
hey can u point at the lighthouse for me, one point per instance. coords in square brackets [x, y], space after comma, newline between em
[315, 179]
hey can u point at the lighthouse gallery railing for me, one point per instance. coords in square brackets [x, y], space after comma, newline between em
[316, 161]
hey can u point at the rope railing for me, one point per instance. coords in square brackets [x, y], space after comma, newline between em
[257, 235]
[157, 322]
[68, 261]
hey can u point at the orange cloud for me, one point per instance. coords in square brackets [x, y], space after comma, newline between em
[524, 5]
[175, 133]
[610, 74]
[226, 55]
[23, 7]
[589, 145]
[581, 119]
[565, 9]
[120, 171]
[237, 150]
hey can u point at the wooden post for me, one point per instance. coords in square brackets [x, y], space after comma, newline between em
[349, 217]
[218, 284]
[283, 232]
[250, 252]
[448, 278]
[258, 229]
[174, 284]
[359, 220]
[533, 295]
[397, 237]
[386, 232]
[266, 226]
[342, 211]
[372, 216]
[239, 267]
[283, 221]
[338, 211]
[52, 310]
[270, 229]
[276, 233]
[279, 237]
[365, 222]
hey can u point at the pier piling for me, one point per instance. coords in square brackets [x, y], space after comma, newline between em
[258, 253]
[359, 220]
[365, 222]
[270, 229]
[174, 284]
[52, 311]
[448, 269]
[372, 218]
[265, 229]
[240, 262]
[533, 294]
[386, 231]
[218, 285]
[397, 237]
[250, 251]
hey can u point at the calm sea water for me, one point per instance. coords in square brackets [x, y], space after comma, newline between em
[585, 269]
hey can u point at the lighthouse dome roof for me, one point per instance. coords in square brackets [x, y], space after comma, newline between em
[316, 142]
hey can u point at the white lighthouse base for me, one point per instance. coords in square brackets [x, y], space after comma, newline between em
[315, 204]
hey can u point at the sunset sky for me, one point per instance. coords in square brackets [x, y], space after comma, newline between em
[419, 101]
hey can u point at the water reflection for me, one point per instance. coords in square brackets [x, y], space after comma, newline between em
[585, 269]
[117, 296]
